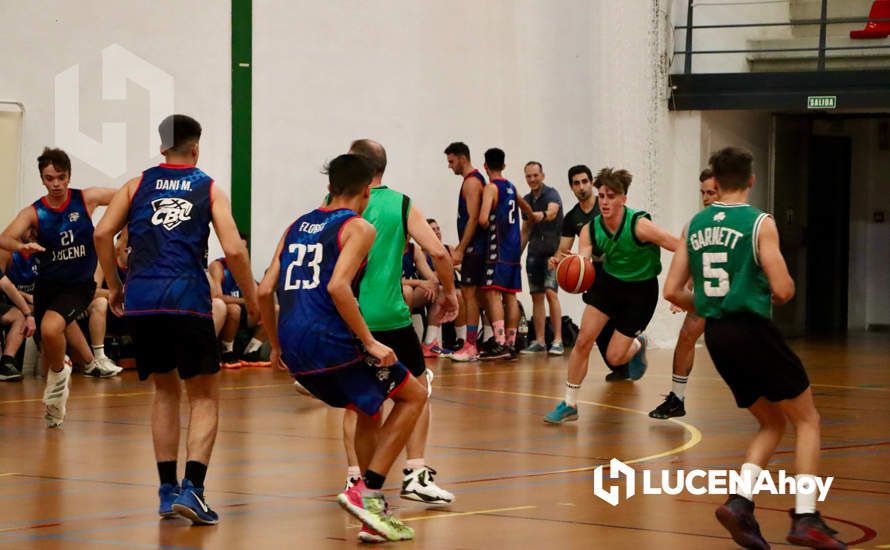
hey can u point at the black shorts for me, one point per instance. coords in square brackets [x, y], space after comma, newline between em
[70, 300]
[358, 386]
[162, 343]
[404, 342]
[472, 270]
[753, 359]
[629, 304]
[4, 307]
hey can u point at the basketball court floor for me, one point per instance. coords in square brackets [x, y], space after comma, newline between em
[519, 483]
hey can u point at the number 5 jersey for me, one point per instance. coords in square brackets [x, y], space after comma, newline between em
[169, 222]
[724, 262]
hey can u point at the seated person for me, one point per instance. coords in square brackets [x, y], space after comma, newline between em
[97, 318]
[224, 287]
[420, 286]
[432, 342]
[17, 317]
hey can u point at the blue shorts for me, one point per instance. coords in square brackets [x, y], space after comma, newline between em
[504, 277]
[540, 277]
[359, 386]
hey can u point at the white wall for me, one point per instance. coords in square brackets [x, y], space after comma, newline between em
[190, 41]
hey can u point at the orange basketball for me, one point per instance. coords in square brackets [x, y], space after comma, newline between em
[575, 274]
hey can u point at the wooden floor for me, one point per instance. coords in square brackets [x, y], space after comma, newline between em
[518, 482]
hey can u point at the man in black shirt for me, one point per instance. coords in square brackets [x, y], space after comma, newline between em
[581, 183]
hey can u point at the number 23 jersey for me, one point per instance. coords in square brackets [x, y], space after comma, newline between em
[313, 336]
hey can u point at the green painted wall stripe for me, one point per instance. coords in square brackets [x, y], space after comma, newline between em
[242, 60]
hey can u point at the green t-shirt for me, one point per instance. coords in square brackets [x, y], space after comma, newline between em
[380, 291]
[726, 272]
[625, 257]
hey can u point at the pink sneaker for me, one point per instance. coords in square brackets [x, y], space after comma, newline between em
[465, 354]
[371, 509]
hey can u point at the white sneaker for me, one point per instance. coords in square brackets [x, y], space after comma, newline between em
[420, 486]
[55, 395]
[102, 368]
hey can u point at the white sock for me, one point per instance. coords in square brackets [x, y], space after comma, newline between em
[572, 394]
[461, 332]
[432, 334]
[253, 345]
[98, 352]
[679, 386]
[805, 503]
[487, 332]
[353, 472]
[415, 463]
[753, 472]
[417, 322]
[228, 346]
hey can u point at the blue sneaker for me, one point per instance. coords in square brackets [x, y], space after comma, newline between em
[534, 347]
[168, 493]
[637, 365]
[191, 504]
[556, 348]
[562, 413]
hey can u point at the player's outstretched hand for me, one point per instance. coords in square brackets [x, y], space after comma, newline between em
[116, 301]
[30, 248]
[450, 306]
[275, 358]
[384, 355]
[554, 260]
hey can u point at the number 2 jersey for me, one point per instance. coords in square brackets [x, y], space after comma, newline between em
[169, 222]
[314, 338]
[724, 263]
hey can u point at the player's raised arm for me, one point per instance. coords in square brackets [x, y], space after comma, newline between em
[100, 196]
[11, 238]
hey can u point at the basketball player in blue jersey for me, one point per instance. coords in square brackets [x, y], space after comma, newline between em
[499, 217]
[323, 339]
[168, 211]
[470, 251]
[65, 287]
[227, 290]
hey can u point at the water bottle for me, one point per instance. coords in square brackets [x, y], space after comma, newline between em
[522, 337]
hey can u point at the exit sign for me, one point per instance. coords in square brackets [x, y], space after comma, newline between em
[822, 102]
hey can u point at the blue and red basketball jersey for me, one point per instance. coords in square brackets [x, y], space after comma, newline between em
[23, 272]
[168, 229]
[313, 336]
[477, 245]
[229, 285]
[66, 233]
[504, 241]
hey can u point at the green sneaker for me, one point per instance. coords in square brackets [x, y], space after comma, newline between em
[371, 509]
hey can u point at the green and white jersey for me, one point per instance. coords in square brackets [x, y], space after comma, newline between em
[625, 257]
[380, 291]
[724, 263]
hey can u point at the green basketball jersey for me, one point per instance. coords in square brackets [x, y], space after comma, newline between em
[625, 257]
[380, 292]
[722, 246]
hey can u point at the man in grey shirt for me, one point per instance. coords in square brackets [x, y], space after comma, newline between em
[542, 237]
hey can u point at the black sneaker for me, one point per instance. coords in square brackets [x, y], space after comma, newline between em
[514, 353]
[618, 374]
[810, 530]
[672, 406]
[487, 345]
[230, 358]
[8, 372]
[498, 351]
[737, 516]
[458, 344]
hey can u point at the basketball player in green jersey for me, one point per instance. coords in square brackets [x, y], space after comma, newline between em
[625, 290]
[396, 220]
[692, 329]
[732, 253]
